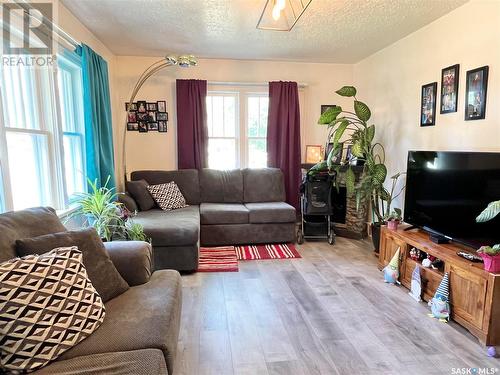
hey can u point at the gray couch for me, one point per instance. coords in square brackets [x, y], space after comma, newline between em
[225, 208]
[141, 328]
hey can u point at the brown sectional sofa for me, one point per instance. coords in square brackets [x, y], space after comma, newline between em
[225, 208]
[140, 331]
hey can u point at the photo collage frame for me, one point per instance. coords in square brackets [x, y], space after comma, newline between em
[143, 116]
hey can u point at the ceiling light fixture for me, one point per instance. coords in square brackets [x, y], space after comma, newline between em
[281, 15]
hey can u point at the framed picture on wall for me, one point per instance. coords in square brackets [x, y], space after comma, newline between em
[162, 126]
[132, 126]
[143, 127]
[475, 93]
[162, 106]
[449, 88]
[428, 105]
[141, 107]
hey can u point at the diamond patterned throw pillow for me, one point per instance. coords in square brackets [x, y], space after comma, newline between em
[167, 196]
[48, 305]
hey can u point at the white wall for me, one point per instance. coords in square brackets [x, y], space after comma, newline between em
[158, 151]
[390, 83]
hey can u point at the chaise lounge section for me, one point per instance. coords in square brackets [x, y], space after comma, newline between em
[234, 207]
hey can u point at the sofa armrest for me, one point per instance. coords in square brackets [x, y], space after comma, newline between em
[128, 202]
[132, 259]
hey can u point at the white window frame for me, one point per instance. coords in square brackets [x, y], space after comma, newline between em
[51, 128]
[242, 94]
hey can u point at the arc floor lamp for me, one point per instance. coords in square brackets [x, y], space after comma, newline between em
[184, 61]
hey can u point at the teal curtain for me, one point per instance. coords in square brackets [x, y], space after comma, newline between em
[98, 126]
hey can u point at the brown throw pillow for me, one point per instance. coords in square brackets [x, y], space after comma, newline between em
[101, 270]
[139, 191]
[48, 305]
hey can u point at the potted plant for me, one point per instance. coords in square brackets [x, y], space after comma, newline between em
[100, 209]
[490, 254]
[393, 219]
[354, 126]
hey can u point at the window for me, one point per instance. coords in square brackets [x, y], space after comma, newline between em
[41, 135]
[237, 129]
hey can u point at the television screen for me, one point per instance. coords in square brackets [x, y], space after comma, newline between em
[446, 191]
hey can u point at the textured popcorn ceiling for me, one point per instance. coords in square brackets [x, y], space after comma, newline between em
[340, 31]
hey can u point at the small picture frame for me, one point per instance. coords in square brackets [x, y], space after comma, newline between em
[428, 105]
[152, 116]
[143, 127]
[152, 126]
[132, 126]
[449, 88]
[141, 106]
[337, 159]
[162, 126]
[132, 116]
[162, 116]
[324, 107]
[142, 116]
[162, 106]
[129, 107]
[314, 154]
[151, 106]
[475, 93]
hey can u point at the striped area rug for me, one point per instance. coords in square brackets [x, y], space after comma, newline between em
[275, 251]
[218, 259]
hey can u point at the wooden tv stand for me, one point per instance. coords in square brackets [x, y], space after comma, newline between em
[474, 292]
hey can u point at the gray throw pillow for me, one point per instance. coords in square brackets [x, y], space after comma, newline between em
[101, 270]
[139, 191]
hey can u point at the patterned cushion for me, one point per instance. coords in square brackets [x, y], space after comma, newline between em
[167, 196]
[48, 305]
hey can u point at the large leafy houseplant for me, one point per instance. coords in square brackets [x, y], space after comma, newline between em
[361, 135]
[100, 209]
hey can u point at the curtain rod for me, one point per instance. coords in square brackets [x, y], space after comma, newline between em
[250, 84]
[44, 20]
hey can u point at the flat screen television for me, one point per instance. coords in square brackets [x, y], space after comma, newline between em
[445, 191]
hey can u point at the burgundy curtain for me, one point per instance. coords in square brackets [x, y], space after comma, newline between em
[283, 136]
[192, 131]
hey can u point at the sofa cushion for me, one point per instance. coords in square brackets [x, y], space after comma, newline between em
[101, 270]
[186, 179]
[143, 361]
[271, 212]
[167, 196]
[139, 191]
[263, 185]
[48, 305]
[145, 316]
[171, 228]
[26, 223]
[217, 186]
[223, 213]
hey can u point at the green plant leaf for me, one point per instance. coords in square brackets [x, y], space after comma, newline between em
[357, 149]
[362, 110]
[350, 182]
[370, 133]
[329, 115]
[334, 151]
[398, 211]
[379, 173]
[489, 212]
[340, 132]
[347, 91]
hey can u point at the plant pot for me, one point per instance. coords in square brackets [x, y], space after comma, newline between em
[376, 236]
[393, 224]
[491, 262]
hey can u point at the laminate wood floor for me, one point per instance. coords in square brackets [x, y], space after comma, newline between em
[327, 313]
